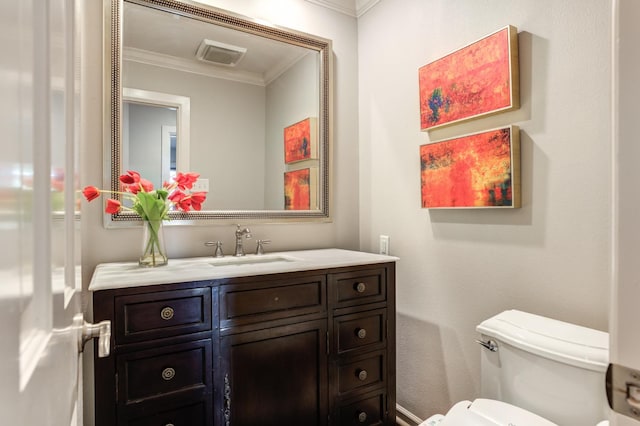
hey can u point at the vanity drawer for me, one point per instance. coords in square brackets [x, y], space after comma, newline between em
[263, 301]
[192, 415]
[364, 330]
[144, 376]
[369, 410]
[360, 287]
[355, 373]
[162, 314]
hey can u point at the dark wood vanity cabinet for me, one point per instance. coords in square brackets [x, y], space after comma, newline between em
[301, 348]
[161, 367]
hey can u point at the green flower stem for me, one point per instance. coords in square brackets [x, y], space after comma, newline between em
[153, 243]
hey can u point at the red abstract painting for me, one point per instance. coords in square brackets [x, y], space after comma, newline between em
[478, 170]
[299, 189]
[479, 79]
[300, 141]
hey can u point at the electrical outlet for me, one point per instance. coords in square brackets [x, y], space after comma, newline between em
[384, 244]
[201, 185]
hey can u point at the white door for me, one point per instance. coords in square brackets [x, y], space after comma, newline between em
[39, 261]
[625, 303]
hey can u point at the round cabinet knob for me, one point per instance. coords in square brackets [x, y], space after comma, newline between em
[168, 373]
[362, 417]
[166, 313]
[361, 287]
[362, 375]
[361, 333]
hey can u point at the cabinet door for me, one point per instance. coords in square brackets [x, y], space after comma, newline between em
[275, 376]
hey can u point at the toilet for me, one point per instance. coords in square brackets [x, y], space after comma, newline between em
[536, 371]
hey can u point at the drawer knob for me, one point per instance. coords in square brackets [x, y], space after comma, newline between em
[361, 287]
[362, 417]
[168, 373]
[166, 313]
[361, 333]
[362, 374]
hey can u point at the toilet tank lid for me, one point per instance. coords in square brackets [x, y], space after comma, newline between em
[561, 341]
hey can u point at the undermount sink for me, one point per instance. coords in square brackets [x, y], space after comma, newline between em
[251, 260]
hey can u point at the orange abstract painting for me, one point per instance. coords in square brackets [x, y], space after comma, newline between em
[478, 170]
[300, 141]
[299, 189]
[479, 79]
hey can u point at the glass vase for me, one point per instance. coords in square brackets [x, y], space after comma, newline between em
[154, 252]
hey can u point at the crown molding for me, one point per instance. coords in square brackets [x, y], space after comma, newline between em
[362, 6]
[354, 8]
[171, 62]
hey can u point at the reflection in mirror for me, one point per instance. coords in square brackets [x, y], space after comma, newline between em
[245, 83]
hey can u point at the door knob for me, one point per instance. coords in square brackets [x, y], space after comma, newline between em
[101, 331]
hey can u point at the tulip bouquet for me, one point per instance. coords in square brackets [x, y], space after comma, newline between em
[153, 206]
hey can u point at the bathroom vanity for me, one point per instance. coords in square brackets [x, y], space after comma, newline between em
[296, 338]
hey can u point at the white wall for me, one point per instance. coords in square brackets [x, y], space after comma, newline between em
[458, 267]
[101, 245]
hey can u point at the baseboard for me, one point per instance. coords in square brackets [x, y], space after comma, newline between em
[405, 417]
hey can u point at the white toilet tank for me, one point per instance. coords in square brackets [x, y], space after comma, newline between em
[549, 367]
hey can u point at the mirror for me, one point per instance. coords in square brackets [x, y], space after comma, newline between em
[245, 104]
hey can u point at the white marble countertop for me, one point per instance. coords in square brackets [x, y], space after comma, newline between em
[129, 274]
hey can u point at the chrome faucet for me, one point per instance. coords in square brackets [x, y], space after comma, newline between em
[239, 234]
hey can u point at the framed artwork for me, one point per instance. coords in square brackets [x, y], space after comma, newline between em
[300, 141]
[480, 170]
[477, 80]
[300, 189]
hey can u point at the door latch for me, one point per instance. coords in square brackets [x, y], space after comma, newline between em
[88, 331]
[623, 390]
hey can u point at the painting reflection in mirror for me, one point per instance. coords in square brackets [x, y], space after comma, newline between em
[300, 141]
[299, 193]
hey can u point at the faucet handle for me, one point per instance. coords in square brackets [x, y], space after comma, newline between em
[218, 244]
[259, 246]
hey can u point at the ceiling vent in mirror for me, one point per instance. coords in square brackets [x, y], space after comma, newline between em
[220, 53]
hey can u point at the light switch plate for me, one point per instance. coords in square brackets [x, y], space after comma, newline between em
[384, 244]
[201, 185]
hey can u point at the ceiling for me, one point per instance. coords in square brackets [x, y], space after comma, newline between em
[164, 39]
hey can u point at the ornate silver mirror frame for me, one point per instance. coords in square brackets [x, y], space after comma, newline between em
[113, 95]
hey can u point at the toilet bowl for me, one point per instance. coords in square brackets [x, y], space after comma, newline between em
[536, 371]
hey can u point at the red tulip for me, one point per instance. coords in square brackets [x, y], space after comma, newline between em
[197, 198]
[146, 185]
[186, 180]
[112, 206]
[133, 188]
[131, 182]
[130, 178]
[176, 196]
[91, 193]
